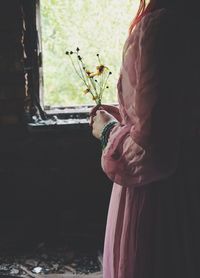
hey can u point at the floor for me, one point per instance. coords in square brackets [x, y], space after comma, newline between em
[52, 261]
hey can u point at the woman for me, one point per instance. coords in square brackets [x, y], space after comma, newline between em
[151, 147]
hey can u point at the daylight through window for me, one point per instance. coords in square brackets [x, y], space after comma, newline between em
[93, 26]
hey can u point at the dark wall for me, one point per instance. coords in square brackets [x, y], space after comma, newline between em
[13, 89]
[51, 183]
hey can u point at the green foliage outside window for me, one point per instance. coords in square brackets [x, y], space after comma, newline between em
[93, 26]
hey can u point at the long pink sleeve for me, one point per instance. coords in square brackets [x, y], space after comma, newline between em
[144, 147]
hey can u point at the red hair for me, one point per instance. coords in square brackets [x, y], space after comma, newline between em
[143, 9]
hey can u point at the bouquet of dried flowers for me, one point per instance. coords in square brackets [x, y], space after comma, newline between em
[95, 82]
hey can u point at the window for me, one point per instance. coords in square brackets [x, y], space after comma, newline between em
[93, 26]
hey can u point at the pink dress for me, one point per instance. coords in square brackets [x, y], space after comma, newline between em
[150, 232]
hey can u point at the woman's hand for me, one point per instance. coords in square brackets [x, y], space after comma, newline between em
[99, 121]
[113, 110]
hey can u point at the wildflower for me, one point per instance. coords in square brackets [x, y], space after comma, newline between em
[94, 86]
[99, 71]
[86, 91]
[101, 68]
[88, 72]
[92, 74]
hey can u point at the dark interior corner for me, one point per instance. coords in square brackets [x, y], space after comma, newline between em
[53, 191]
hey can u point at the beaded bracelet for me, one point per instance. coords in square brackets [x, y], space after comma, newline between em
[106, 132]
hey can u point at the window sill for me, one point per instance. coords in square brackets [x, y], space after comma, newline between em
[65, 112]
[63, 118]
[72, 112]
[69, 118]
[59, 125]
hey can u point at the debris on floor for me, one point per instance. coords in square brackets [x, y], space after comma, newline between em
[44, 260]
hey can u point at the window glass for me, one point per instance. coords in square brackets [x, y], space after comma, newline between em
[93, 26]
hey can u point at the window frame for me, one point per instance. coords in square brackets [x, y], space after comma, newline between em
[34, 70]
